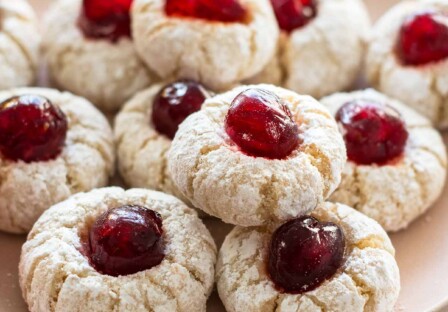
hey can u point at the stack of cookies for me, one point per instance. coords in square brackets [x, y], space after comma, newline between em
[265, 159]
[209, 122]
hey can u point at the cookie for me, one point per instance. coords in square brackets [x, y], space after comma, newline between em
[89, 59]
[45, 161]
[403, 183]
[60, 267]
[215, 44]
[302, 158]
[366, 280]
[144, 129]
[19, 44]
[319, 41]
[410, 64]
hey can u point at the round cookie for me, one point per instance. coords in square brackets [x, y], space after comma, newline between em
[395, 193]
[55, 275]
[19, 44]
[217, 177]
[215, 53]
[424, 87]
[311, 58]
[142, 149]
[104, 71]
[27, 189]
[368, 281]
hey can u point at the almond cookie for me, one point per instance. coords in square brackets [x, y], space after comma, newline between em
[81, 256]
[19, 44]
[90, 51]
[321, 48]
[217, 43]
[145, 127]
[408, 57]
[397, 161]
[257, 154]
[52, 145]
[334, 260]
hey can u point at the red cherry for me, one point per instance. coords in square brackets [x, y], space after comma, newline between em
[126, 240]
[213, 10]
[31, 128]
[373, 133]
[174, 103]
[423, 39]
[106, 19]
[304, 253]
[293, 14]
[261, 124]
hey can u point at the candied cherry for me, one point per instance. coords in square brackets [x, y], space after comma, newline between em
[213, 10]
[126, 240]
[106, 19]
[374, 133]
[175, 102]
[261, 125]
[31, 128]
[303, 253]
[294, 14]
[423, 38]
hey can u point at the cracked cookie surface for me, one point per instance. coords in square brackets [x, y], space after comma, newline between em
[425, 87]
[141, 149]
[19, 44]
[28, 189]
[310, 59]
[368, 281]
[106, 73]
[244, 190]
[214, 53]
[394, 194]
[56, 276]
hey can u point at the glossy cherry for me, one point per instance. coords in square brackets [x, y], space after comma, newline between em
[374, 133]
[31, 128]
[294, 14]
[423, 39]
[106, 19]
[304, 253]
[126, 240]
[212, 10]
[261, 125]
[175, 102]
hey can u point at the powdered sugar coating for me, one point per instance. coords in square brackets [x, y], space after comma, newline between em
[106, 73]
[55, 276]
[394, 194]
[368, 281]
[28, 189]
[141, 149]
[424, 88]
[239, 189]
[19, 44]
[214, 53]
[310, 60]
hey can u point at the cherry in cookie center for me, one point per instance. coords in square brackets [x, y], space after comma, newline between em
[126, 240]
[105, 19]
[175, 102]
[212, 10]
[261, 124]
[31, 128]
[374, 133]
[423, 38]
[305, 252]
[294, 14]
